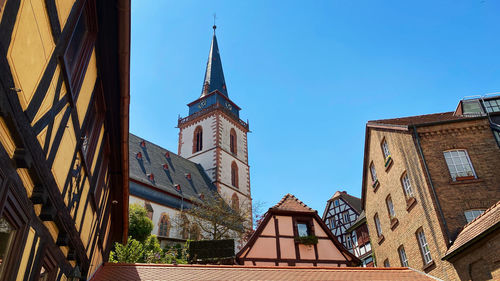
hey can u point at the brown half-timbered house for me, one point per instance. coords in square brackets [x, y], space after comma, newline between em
[292, 234]
[64, 97]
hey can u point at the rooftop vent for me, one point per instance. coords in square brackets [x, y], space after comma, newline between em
[178, 187]
[188, 176]
[143, 143]
[165, 166]
[151, 177]
[138, 156]
[167, 154]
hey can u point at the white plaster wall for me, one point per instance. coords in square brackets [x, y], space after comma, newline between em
[208, 125]
[207, 161]
[225, 172]
[241, 139]
[157, 211]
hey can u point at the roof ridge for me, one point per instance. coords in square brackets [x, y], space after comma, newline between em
[291, 197]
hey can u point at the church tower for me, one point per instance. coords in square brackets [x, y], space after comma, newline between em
[214, 136]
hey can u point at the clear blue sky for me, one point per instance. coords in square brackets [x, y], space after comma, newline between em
[309, 74]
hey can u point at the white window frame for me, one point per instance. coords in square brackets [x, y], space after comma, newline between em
[377, 225]
[459, 158]
[405, 181]
[424, 247]
[390, 206]
[354, 239]
[403, 257]
[373, 172]
[348, 242]
[385, 149]
[470, 215]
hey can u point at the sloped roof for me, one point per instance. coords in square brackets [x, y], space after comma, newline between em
[153, 159]
[360, 220]
[483, 224]
[136, 272]
[291, 203]
[353, 201]
[214, 76]
[420, 119]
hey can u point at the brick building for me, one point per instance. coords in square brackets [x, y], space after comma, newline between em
[425, 177]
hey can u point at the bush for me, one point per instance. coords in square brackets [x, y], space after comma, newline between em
[140, 226]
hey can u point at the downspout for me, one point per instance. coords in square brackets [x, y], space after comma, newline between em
[432, 185]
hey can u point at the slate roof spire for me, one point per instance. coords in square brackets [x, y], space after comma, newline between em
[214, 76]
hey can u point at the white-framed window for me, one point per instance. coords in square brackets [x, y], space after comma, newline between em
[345, 216]
[385, 149]
[373, 172]
[390, 206]
[402, 256]
[459, 163]
[336, 203]
[332, 222]
[405, 180]
[424, 247]
[354, 239]
[470, 215]
[348, 241]
[377, 225]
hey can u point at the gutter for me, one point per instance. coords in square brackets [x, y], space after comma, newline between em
[123, 7]
[426, 168]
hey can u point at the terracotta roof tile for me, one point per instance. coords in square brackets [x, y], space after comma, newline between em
[419, 119]
[291, 203]
[136, 272]
[479, 225]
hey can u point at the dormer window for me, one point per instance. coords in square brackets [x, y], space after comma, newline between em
[165, 166]
[188, 176]
[198, 139]
[143, 144]
[151, 177]
[138, 156]
[167, 154]
[492, 105]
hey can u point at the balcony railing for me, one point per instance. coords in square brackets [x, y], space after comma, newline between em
[209, 109]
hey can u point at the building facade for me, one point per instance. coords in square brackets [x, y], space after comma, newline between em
[278, 239]
[64, 97]
[424, 178]
[341, 211]
[361, 244]
[214, 136]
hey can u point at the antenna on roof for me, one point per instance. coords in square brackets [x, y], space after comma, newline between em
[214, 26]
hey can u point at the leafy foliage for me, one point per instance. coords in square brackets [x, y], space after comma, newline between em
[148, 252]
[140, 226]
[132, 252]
[307, 240]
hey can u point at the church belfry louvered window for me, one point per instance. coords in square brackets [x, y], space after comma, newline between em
[198, 139]
[232, 141]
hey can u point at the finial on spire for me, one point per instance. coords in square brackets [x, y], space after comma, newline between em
[214, 26]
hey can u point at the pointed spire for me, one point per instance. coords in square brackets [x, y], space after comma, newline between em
[214, 76]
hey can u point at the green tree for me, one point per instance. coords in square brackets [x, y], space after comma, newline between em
[152, 250]
[140, 226]
[132, 252]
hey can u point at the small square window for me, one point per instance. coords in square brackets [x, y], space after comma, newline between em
[303, 229]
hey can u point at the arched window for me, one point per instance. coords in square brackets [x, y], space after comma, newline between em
[234, 174]
[235, 202]
[163, 225]
[198, 139]
[233, 141]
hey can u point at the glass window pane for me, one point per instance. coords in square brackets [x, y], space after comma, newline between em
[7, 233]
[302, 229]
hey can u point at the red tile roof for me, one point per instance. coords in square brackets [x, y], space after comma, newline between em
[486, 221]
[291, 203]
[419, 119]
[136, 272]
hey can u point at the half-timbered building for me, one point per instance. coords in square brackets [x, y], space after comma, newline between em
[361, 244]
[64, 97]
[292, 234]
[340, 213]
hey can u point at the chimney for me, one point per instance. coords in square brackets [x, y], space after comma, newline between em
[138, 156]
[188, 176]
[178, 187]
[167, 154]
[143, 143]
[165, 166]
[151, 177]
